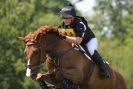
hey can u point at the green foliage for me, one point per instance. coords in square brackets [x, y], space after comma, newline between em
[111, 13]
[17, 18]
[112, 24]
[119, 56]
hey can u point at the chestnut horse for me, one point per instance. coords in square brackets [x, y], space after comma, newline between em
[64, 62]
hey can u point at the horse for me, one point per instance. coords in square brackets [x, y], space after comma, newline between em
[44, 45]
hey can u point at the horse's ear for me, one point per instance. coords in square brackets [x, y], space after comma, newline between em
[21, 38]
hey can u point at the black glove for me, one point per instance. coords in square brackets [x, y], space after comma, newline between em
[62, 36]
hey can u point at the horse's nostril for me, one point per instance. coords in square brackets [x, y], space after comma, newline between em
[33, 75]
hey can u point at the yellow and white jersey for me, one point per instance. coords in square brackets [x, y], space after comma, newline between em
[67, 31]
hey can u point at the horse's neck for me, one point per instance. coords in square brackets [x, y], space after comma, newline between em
[55, 44]
[63, 46]
[58, 47]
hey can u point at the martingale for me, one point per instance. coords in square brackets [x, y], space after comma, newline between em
[68, 32]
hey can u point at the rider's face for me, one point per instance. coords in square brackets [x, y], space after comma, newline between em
[67, 21]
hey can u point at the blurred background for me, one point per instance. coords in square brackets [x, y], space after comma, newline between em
[110, 20]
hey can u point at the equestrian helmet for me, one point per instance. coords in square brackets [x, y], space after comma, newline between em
[68, 12]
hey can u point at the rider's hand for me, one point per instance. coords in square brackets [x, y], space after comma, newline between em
[62, 36]
[40, 76]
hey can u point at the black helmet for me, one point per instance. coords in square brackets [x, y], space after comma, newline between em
[68, 12]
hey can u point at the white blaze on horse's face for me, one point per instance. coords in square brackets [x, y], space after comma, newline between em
[28, 70]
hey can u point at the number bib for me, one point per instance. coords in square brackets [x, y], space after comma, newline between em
[68, 32]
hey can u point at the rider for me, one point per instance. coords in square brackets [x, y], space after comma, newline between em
[84, 36]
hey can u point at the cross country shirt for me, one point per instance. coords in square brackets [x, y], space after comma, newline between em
[79, 28]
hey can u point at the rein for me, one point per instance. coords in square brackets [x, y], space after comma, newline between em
[56, 58]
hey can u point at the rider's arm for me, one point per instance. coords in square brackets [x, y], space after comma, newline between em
[75, 40]
[80, 31]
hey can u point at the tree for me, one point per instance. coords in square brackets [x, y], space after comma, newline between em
[17, 18]
[110, 14]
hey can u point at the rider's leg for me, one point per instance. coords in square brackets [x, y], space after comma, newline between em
[99, 61]
[92, 46]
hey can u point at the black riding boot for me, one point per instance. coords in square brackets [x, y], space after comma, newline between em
[99, 61]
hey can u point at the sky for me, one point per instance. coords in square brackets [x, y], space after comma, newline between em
[85, 7]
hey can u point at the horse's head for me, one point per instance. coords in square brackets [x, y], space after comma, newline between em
[35, 49]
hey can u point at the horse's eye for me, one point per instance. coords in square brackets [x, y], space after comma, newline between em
[37, 50]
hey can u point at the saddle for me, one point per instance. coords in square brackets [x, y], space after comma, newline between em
[82, 49]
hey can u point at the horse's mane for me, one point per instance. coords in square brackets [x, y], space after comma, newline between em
[41, 31]
[46, 29]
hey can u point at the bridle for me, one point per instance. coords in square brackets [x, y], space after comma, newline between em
[29, 43]
[56, 58]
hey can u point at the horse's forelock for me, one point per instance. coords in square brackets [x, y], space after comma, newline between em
[30, 36]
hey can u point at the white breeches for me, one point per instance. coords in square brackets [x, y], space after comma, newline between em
[92, 45]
